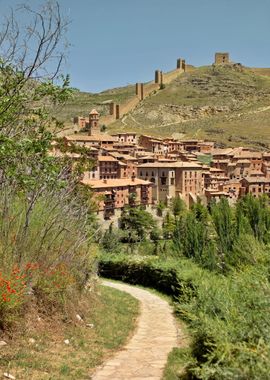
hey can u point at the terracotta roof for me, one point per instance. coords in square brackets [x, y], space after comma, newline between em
[256, 179]
[222, 161]
[107, 158]
[177, 164]
[87, 138]
[215, 170]
[98, 183]
[248, 154]
[243, 161]
[124, 133]
[218, 152]
[123, 144]
[256, 172]
[127, 157]
[94, 112]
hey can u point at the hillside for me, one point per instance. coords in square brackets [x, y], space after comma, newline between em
[82, 102]
[228, 104]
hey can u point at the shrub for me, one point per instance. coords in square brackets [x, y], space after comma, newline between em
[228, 314]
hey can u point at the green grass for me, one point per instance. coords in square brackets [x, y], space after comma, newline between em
[243, 122]
[83, 102]
[113, 314]
[178, 360]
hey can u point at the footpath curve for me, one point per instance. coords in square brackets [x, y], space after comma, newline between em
[145, 355]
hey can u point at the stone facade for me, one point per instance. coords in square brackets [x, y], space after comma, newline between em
[94, 123]
[222, 58]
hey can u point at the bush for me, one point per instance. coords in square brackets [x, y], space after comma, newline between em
[228, 314]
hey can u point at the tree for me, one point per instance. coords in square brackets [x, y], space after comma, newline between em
[168, 226]
[111, 239]
[177, 206]
[224, 224]
[45, 214]
[137, 223]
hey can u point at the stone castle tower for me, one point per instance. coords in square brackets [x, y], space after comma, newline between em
[222, 58]
[94, 123]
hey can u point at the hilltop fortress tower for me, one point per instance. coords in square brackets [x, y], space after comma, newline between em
[222, 58]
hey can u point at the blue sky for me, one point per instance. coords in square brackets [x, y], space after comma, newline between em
[116, 42]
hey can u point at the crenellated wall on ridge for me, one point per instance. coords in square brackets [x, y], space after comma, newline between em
[142, 90]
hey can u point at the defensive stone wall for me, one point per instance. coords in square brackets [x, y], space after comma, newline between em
[149, 88]
[171, 75]
[128, 106]
[142, 90]
[106, 120]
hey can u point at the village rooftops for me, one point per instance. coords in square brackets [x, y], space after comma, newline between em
[215, 170]
[117, 182]
[122, 156]
[87, 138]
[106, 159]
[222, 152]
[124, 134]
[248, 155]
[256, 180]
[177, 164]
[94, 112]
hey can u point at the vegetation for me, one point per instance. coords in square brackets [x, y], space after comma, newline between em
[109, 316]
[46, 223]
[213, 103]
[216, 268]
[81, 103]
[48, 296]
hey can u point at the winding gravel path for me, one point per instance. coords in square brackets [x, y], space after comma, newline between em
[145, 355]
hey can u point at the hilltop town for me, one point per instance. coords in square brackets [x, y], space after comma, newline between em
[132, 169]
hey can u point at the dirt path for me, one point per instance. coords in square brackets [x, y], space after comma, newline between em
[145, 355]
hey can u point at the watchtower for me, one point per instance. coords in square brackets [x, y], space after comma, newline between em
[221, 58]
[93, 122]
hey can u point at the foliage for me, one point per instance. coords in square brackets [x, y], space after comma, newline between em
[168, 225]
[137, 224]
[177, 206]
[228, 314]
[160, 208]
[111, 239]
[45, 215]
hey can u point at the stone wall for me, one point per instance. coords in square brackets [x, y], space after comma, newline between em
[221, 58]
[142, 90]
[128, 106]
[171, 75]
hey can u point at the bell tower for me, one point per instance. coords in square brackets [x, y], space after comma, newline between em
[93, 123]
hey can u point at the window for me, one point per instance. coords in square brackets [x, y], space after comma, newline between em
[163, 180]
[172, 181]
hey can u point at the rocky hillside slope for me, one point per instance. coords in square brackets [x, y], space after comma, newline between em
[228, 104]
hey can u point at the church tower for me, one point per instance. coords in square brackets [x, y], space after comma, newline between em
[93, 123]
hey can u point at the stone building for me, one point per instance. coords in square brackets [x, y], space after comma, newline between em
[94, 123]
[222, 58]
[113, 194]
[173, 179]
